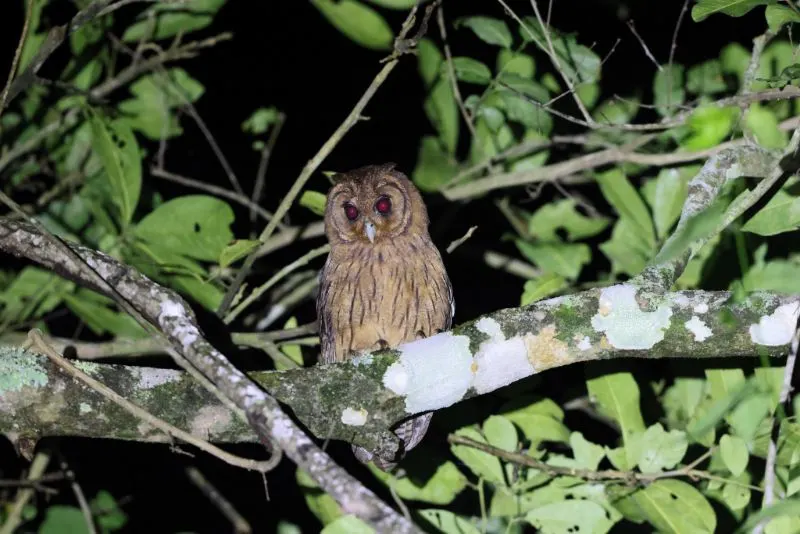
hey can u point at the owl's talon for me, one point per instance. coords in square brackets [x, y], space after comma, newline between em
[421, 334]
[382, 344]
[439, 330]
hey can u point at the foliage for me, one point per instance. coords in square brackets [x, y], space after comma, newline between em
[681, 469]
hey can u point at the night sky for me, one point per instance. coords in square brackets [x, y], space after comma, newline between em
[284, 54]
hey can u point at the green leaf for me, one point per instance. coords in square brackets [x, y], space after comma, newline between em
[764, 125]
[681, 400]
[563, 214]
[541, 287]
[781, 214]
[434, 168]
[661, 450]
[358, 22]
[347, 524]
[395, 4]
[516, 102]
[706, 78]
[674, 506]
[107, 512]
[171, 19]
[101, 319]
[260, 120]
[500, 432]
[617, 396]
[733, 8]
[748, 415]
[579, 63]
[626, 250]
[781, 276]
[565, 259]
[619, 192]
[116, 146]
[314, 200]
[665, 194]
[736, 496]
[517, 63]
[668, 92]
[442, 110]
[448, 522]
[785, 507]
[778, 15]
[569, 517]
[481, 463]
[783, 525]
[32, 293]
[724, 382]
[206, 294]
[734, 453]
[490, 30]
[237, 250]
[60, 519]
[429, 61]
[291, 350]
[322, 505]
[614, 111]
[709, 126]
[471, 71]
[587, 454]
[446, 483]
[735, 59]
[197, 226]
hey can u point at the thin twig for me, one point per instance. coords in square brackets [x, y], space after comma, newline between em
[42, 346]
[647, 51]
[17, 53]
[350, 121]
[458, 242]
[14, 514]
[240, 524]
[216, 190]
[451, 73]
[263, 164]
[83, 504]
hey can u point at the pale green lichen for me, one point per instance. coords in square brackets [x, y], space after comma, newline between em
[87, 367]
[19, 369]
[84, 408]
[623, 321]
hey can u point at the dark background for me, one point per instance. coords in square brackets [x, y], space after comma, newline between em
[285, 54]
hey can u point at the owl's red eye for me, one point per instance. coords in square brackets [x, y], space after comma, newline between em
[383, 205]
[351, 212]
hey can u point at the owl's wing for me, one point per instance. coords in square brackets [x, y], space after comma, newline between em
[451, 303]
[325, 317]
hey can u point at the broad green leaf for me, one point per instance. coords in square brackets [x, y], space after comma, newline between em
[617, 396]
[626, 249]
[293, 351]
[668, 92]
[313, 200]
[778, 15]
[347, 524]
[531, 405]
[471, 70]
[587, 454]
[665, 194]
[724, 382]
[516, 100]
[515, 63]
[781, 508]
[434, 167]
[358, 22]
[565, 259]
[563, 214]
[442, 110]
[237, 250]
[733, 8]
[260, 120]
[747, 415]
[735, 58]
[32, 293]
[541, 287]
[320, 503]
[736, 496]
[626, 201]
[588, 93]
[440, 488]
[116, 146]
[681, 399]
[480, 463]
[205, 293]
[173, 18]
[61, 519]
[500, 432]
[770, 383]
[395, 4]
[429, 61]
[763, 124]
[197, 226]
[709, 126]
[781, 276]
[539, 427]
[490, 30]
[706, 78]
[100, 318]
[783, 525]
[660, 450]
[734, 453]
[579, 63]
[448, 522]
[674, 506]
[614, 111]
[107, 512]
[568, 517]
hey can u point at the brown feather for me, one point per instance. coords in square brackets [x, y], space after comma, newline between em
[386, 290]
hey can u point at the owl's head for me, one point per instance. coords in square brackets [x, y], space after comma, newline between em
[373, 204]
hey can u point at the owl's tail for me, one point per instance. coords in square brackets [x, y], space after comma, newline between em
[411, 431]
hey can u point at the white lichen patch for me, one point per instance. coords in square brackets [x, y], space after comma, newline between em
[84, 408]
[499, 361]
[210, 421]
[150, 378]
[735, 171]
[364, 358]
[697, 327]
[777, 328]
[353, 417]
[432, 372]
[584, 344]
[700, 308]
[682, 301]
[624, 323]
[554, 301]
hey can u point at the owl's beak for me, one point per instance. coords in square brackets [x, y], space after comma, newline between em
[369, 230]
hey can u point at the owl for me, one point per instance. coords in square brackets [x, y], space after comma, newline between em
[384, 282]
